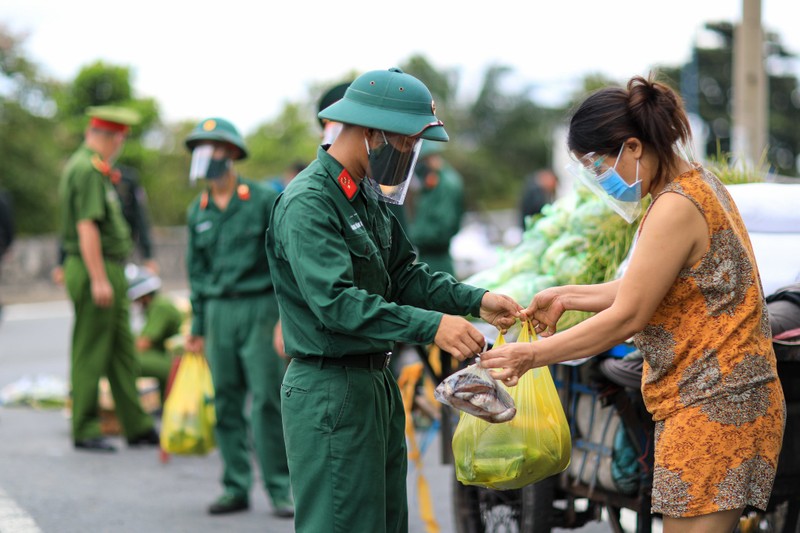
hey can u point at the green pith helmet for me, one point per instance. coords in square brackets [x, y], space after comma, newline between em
[389, 100]
[216, 129]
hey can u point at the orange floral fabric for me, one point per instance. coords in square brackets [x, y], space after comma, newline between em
[710, 378]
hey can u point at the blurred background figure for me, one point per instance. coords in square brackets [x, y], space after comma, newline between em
[96, 240]
[435, 209]
[234, 315]
[538, 191]
[133, 201]
[162, 320]
[279, 183]
[6, 228]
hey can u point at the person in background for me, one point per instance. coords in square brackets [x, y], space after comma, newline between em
[437, 208]
[235, 312]
[133, 198]
[690, 297]
[7, 229]
[162, 320]
[279, 183]
[133, 201]
[538, 191]
[348, 288]
[96, 240]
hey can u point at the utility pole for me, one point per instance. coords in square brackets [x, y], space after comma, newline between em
[749, 85]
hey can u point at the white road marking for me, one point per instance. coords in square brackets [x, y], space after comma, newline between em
[13, 518]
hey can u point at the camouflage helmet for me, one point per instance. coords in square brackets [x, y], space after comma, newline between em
[389, 100]
[216, 129]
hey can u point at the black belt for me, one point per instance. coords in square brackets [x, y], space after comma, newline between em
[249, 294]
[371, 361]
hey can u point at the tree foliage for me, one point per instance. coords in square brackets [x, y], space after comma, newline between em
[499, 134]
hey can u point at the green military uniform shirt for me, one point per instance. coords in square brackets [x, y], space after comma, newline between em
[87, 194]
[439, 208]
[226, 248]
[344, 272]
[162, 321]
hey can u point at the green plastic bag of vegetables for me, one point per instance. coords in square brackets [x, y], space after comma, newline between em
[535, 444]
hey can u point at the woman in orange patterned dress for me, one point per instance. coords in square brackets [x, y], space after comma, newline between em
[691, 297]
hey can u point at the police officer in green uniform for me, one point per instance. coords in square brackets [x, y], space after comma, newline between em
[438, 208]
[235, 312]
[162, 321]
[96, 242]
[348, 287]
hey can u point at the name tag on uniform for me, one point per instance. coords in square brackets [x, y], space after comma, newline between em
[355, 223]
[203, 226]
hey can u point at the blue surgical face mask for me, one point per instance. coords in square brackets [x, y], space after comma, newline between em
[618, 188]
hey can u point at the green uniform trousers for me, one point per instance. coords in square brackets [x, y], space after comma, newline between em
[102, 345]
[238, 344]
[345, 438]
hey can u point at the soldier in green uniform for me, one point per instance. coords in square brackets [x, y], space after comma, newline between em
[96, 242]
[348, 287]
[235, 312]
[438, 208]
[162, 321]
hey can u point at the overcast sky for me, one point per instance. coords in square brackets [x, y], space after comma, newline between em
[242, 59]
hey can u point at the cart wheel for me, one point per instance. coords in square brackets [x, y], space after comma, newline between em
[528, 510]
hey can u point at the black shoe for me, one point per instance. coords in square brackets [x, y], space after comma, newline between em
[228, 503]
[148, 439]
[283, 511]
[95, 444]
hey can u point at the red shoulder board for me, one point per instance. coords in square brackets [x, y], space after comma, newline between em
[347, 184]
[243, 191]
[116, 176]
[102, 167]
[204, 200]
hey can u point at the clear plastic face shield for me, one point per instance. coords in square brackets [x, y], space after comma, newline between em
[209, 162]
[391, 165]
[594, 172]
[331, 131]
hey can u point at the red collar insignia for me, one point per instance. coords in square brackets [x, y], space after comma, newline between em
[102, 166]
[243, 191]
[347, 184]
[204, 200]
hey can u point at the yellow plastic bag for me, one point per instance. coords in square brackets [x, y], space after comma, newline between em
[188, 419]
[534, 445]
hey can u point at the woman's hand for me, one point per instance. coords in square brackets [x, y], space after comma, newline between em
[509, 362]
[545, 310]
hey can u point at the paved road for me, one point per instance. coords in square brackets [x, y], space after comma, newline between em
[45, 485]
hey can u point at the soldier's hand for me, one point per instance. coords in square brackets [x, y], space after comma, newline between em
[277, 340]
[458, 337]
[499, 310]
[57, 275]
[194, 344]
[102, 293]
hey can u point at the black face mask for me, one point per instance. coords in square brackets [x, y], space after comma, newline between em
[217, 168]
[385, 163]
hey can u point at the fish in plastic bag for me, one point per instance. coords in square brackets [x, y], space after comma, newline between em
[474, 391]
